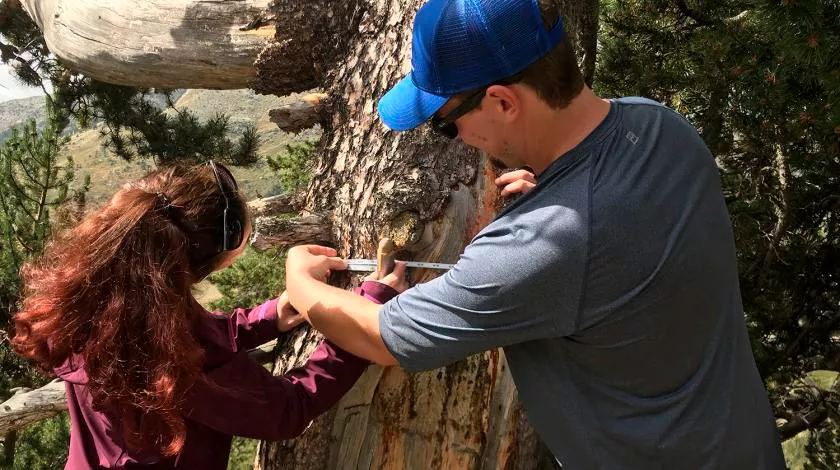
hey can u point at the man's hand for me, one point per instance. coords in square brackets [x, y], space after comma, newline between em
[396, 279]
[287, 317]
[349, 320]
[312, 261]
[517, 181]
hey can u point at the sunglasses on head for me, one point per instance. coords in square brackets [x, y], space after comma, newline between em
[445, 125]
[232, 230]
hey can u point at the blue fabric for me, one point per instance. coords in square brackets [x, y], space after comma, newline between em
[460, 45]
[613, 288]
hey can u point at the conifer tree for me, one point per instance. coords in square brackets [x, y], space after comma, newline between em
[761, 81]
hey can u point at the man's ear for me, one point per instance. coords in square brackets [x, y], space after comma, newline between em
[506, 99]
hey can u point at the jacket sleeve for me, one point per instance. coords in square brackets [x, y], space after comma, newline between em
[242, 398]
[252, 327]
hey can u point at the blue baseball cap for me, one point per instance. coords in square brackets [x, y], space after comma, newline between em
[460, 45]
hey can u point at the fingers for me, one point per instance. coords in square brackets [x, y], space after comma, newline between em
[520, 186]
[287, 317]
[333, 264]
[294, 320]
[320, 250]
[399, 270]
[515, 175]
[397, 278]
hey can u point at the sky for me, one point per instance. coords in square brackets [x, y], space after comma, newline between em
[11, 89]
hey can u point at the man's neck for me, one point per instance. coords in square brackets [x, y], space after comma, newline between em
[553, 132]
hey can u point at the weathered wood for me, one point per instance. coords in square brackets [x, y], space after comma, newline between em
[284, 232]
[28, 407]
[299, 115]
[157, 43]
[288, 203]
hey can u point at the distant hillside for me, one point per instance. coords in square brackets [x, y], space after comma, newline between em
[109, 173]
[18, 112]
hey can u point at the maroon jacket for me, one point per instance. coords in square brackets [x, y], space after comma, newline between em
[245, 399]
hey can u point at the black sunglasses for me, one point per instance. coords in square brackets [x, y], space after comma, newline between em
[232, 232]
[446, 127]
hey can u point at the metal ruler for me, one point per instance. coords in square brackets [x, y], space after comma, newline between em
[370, 265]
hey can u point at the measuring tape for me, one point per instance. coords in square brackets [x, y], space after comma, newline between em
[369, 265]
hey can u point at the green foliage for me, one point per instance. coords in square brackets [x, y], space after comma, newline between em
[136, 123]
[294, 167]
[43, 445]
[137, 126]
[254, 278]
[242, 454]
[34, 184]
[761, 81]
[821, 449]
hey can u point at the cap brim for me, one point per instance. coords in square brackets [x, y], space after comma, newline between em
[405, 106]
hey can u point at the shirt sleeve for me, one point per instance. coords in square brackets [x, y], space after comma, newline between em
[517, 281]
[242, 398]
[252, 327]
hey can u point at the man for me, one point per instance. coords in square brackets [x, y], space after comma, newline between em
[612, 285]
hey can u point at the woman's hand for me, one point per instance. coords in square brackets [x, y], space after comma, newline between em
[312, 261]
[287, 317]
[515, 182]
[396, 279]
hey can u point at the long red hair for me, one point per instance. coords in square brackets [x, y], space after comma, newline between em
[116, 291]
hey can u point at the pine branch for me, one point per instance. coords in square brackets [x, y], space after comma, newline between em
[19, 192]
[9, 229]
[43, 199]
[25, 169]
[784, 211]
[803, 423]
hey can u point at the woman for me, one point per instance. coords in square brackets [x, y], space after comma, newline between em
[153, 380]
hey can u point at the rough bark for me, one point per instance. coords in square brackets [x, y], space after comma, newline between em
[431, 196]
[582, 28]
[157, 43]
[9, 445]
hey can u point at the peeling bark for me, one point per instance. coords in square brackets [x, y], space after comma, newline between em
[431, 196]
[300, 115]
[285, 232]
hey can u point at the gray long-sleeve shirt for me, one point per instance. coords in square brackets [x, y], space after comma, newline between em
[613, 289]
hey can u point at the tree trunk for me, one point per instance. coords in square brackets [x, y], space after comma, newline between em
[431, 196]
[582, 28]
